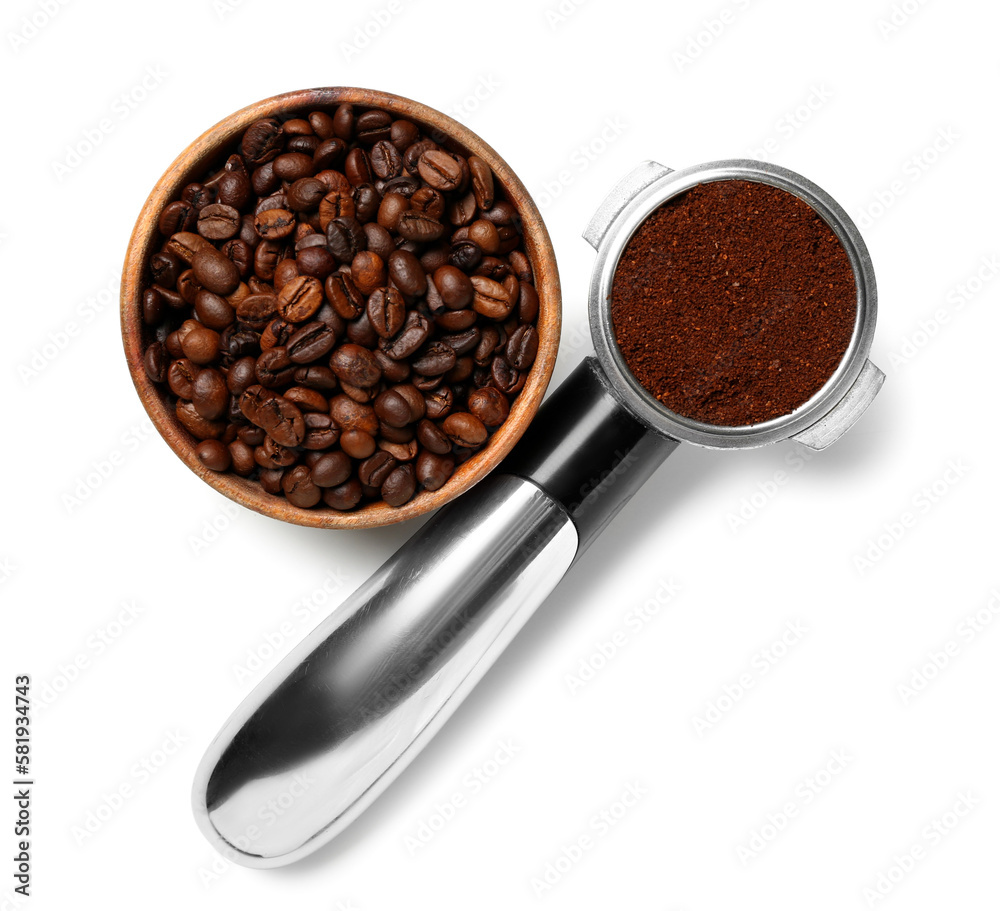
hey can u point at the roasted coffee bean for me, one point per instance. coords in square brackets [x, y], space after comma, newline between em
[240, 343]
[170, 297]
[241, 374]
[427, 383]
[233, 189]
[465, 429]
[188, 286]
[484, 235]
[300, 298]
[210, 396]
[386, 311]
[367, 200]
[307, 399]
[463, 342]
[489, 405]
[274, 367]
[520, 265]
[404, 185]
[527, 303]
[344, 497]
[215, 272]
[198, 195]
[265, 259]
[433, 438]
[493, 267]
[434, 359]
[201, 345]
[261, 142]
[522, 347]
[176, 217]
[251, 435]
[373, 126]
[271, 454]
[200, 428]
[214, 455]
[380, 241]
[305, 194]
[398, 488]
[240, 253]
[299, 488]
[292, 166]
[461, 372]
[274, 414]
[393, 409]
[357, 168]
[311, 342]
[393, 205]
[329, 153]
[256, 307]
[154, 361]
[428, 201]
[355, 365]
[440, 169]
[403, 133]
[350, 415]
[316, 261]
[386, 161]
[270, 480]
[392, 371]
[344, 296]
[274, 224]
[482, 181]
[185, 245]
[439, 403]
[165, 267]
[331, 469]
[321, 432]
[454, 286]
[465, 256]
[335, 204]
[213, 311]
[455, 320]
[152, 307]
[490, 298]
[406, 273]
[502, 213]
[373, 471]
[277, 200]
[417, 226]
[316, 377]
[360, 332]
[346, 238]
[218, 222]
[390, 437]
[242, 457]
[432, 258]
[357, 444]
[416, 330]
[433, 470]
[368, 271]
[506, 378]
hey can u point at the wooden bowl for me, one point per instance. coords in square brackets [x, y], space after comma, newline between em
[210, 150]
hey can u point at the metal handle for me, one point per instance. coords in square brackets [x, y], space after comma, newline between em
[330, 728]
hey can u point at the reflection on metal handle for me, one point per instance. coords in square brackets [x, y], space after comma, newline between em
[327, 731]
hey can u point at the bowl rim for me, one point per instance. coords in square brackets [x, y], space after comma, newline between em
[210, 147]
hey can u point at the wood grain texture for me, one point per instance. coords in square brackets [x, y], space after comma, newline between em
[210, 150]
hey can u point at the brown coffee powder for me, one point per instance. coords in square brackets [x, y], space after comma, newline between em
[733, 303]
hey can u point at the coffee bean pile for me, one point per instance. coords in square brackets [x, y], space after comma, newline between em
[344, 311]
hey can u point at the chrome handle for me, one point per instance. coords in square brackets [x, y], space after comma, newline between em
[331, 727]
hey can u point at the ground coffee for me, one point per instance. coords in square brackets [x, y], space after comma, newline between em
[733, 303]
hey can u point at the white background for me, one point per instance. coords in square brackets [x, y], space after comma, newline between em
[896, 121]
